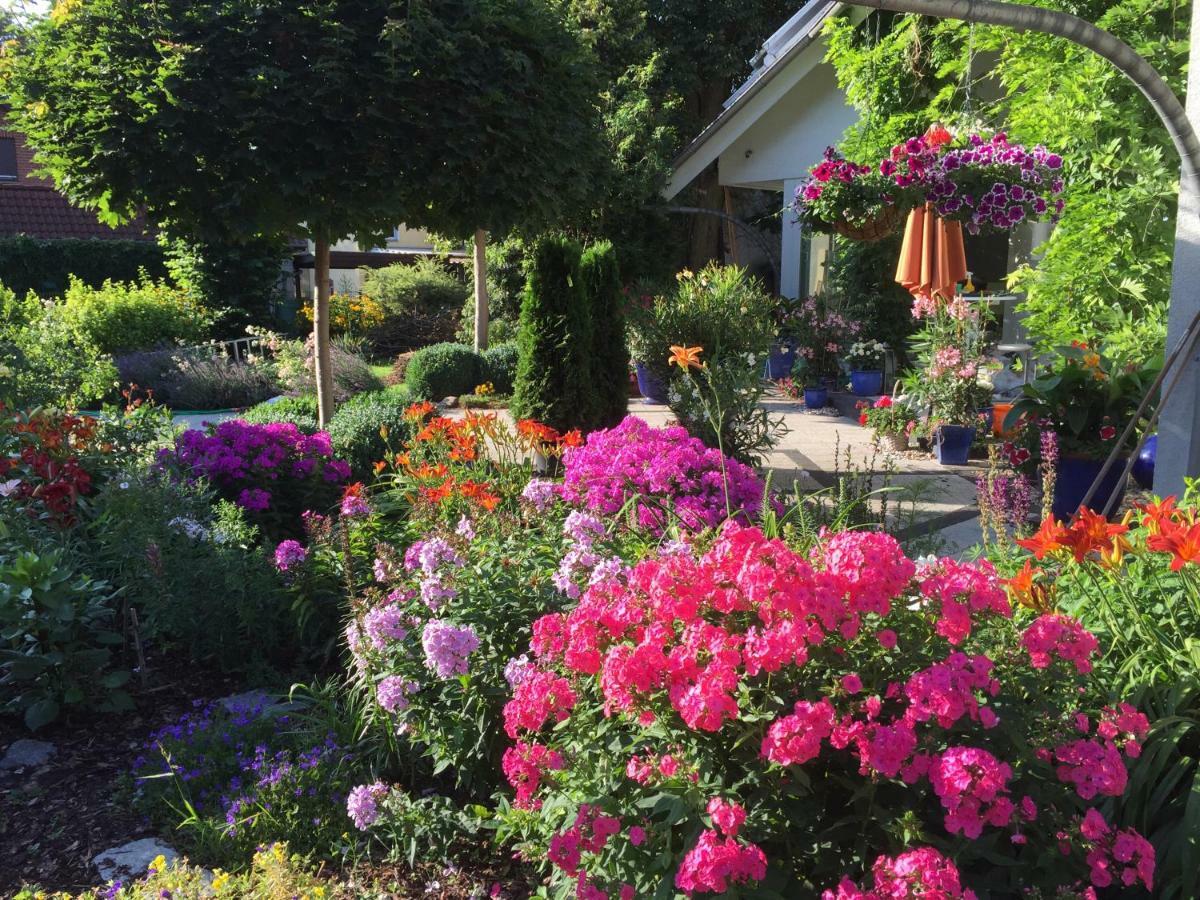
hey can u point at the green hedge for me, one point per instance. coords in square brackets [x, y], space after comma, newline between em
[45, 267]
[300, 411]
[610, 352]
[443, 370]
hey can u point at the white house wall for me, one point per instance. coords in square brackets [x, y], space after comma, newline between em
[790, 136]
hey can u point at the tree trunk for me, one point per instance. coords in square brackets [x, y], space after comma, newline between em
[481, 291]
[321, 356]
[705, 243]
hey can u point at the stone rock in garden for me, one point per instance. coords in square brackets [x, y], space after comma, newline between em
[132, 858]
[449, 403]
[27, 753]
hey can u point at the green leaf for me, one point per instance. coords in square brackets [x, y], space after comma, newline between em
[40, 714]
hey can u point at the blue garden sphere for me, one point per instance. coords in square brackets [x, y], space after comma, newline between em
[1143, 467]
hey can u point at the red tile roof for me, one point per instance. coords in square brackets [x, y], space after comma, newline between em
[40, 211]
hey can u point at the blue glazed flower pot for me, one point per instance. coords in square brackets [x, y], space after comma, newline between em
[1075, 475]
[867, 383]
[1143, 468]
[952, 444]
[780, 361]
[652, 387]
[816, 398]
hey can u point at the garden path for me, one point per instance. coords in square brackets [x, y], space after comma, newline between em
[817, 446]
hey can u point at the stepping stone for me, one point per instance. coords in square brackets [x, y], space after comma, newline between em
[27, 753]
[132, 858]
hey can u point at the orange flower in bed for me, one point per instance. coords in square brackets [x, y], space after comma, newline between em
[1181, 541]
[1091, 532]
[480, 493]
[1160, 516]
[419, 410]
[686, 357]
[1025, 589]
[1048, 538]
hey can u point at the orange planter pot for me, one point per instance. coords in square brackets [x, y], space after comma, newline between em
[1000, 412]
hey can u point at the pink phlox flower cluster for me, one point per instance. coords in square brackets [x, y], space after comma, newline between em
[393, 691]
[963, 589]
[525, 765]
[647, 769]
[447, 647]
[431, 554]
[1092, 767]
[1126, 723]
[289, 554]
[465, 528]
[868, 567]
[973, 786]
[518, 669]
[540, 494]
[727, 815]
[919, 874]
[383, 625]
[589, 833]
[539, 697]
[947, 691]
[716, 862]
[661, 466]
[1116, 855]
[796, 738]
[362, 804]
[1058, 635]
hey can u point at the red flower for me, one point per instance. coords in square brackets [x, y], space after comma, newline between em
[1048, 538]
[1107, 433]
[1182, 542]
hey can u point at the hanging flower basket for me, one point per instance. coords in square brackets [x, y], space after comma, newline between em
[987, 183]
[875, 228]
[856, 201]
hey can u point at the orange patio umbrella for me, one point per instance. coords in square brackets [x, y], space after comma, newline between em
[932, 259]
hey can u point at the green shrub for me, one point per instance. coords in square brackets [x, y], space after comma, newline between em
[46, 266]
[207, 590]
[354, 430]
[553, 383]
[723, 309]
[610, 354]
[57, 631]
[245, 276]
[300, 411]
[43, 364]
[443, 370]
[425, 285]
[133, 315]
[500, 367]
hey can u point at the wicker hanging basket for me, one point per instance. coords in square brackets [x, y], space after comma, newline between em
[897, 443]
[874, 229]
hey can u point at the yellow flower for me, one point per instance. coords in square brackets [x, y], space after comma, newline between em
[158, 864]
[220, 879]
[318, 892]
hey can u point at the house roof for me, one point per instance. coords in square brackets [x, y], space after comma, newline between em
[39, 211]
[780, 49]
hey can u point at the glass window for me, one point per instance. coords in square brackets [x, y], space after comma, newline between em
[8, 159]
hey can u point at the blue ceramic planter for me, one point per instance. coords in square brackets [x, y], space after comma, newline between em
[952, 444]
[868, 383]
[816, 397]
[780, 361]
[652, 387]
[1143, 468]
[1076, 475]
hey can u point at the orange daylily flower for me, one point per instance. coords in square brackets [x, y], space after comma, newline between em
[419, 410]
[1160, 516]
[1182, 542]
[380, 466]
[1047, 539]
[1025, 589]
[686, 357]
[1090, 532]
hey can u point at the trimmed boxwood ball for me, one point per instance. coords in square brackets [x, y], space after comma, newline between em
[354, 430]
[300, 411]
[500, 367]
[443, 370]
